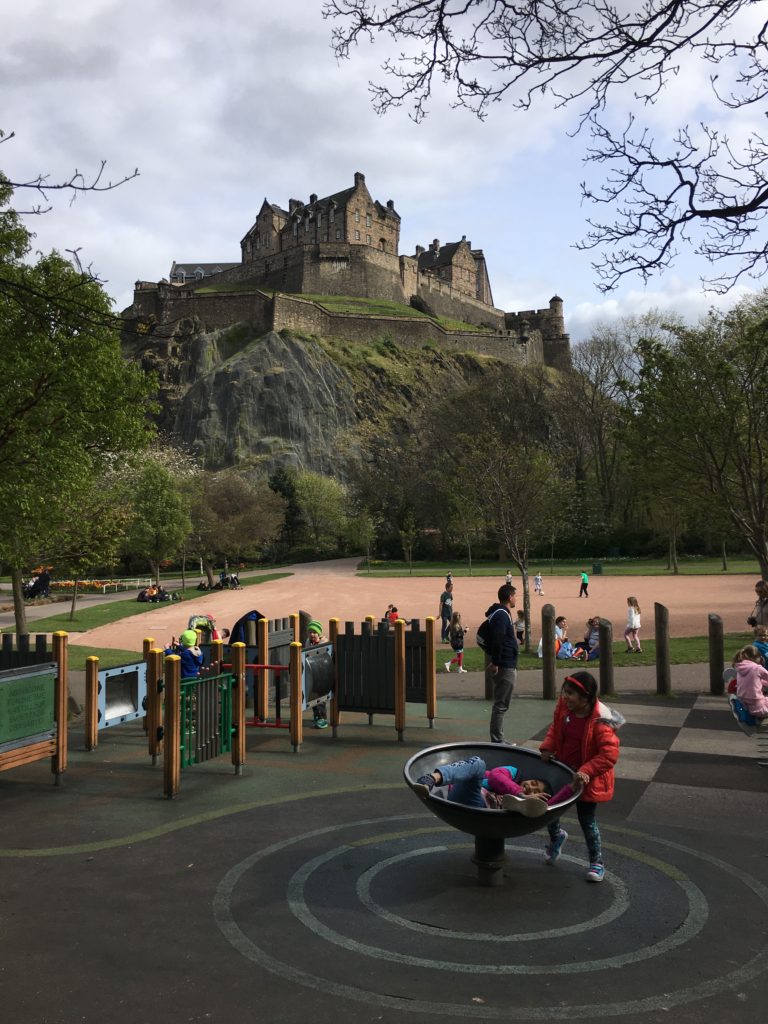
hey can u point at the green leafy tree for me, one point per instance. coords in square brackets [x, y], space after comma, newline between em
[161, 521]
[323, 503]
[70, 405]
[232, 518]
[701, 411]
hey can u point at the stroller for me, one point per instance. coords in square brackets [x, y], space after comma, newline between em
[206, 624]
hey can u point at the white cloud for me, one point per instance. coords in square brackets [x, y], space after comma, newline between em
[220, 106]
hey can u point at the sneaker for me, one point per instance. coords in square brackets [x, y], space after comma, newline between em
[462, 670]
[321, 723]
[530, 806]
[596, 873]
[447, 666]
[554, 847]
[424, 786]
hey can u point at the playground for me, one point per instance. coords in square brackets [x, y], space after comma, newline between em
[317, 884]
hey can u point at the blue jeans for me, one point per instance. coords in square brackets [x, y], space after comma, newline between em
[465, 778]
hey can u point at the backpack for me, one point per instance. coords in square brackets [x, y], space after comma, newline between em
[484, 630]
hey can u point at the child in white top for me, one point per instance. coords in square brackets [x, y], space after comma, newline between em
[631, 633]
[538, 584]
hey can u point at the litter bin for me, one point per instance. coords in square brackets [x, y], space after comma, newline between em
[597, 569]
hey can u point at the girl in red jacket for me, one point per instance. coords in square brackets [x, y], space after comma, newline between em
[583, 736]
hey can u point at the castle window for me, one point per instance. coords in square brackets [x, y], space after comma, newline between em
[331, 215]
[368, 239]
[367, 220]
[357, 216]
[180, 276]
[357, 236]
[258, 241]
[383, 244]
[338, 232]
[199, 274]
[295, 228]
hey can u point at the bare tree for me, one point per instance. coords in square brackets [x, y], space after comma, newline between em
[698, 189]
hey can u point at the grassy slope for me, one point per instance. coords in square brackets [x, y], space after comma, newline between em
[688, 566]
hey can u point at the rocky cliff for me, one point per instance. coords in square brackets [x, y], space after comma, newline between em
[258, 401]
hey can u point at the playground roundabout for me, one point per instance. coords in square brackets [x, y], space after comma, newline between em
[386, 911]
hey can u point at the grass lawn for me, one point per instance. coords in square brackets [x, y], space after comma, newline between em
[689, 566]
[90, 616]
[683, 650]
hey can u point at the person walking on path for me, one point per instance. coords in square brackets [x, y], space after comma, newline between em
[445, 612]
[583, 589]
[538, 585]
[456, 637]
[503, 650]
[631, 633]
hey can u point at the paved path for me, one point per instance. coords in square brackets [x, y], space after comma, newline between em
[333, 589]
[316, 885]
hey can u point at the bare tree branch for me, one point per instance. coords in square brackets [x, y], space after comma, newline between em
[705, 192]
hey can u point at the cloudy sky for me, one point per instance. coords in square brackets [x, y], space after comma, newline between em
[220, 105]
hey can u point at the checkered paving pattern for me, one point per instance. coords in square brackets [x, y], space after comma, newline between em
[687, 764]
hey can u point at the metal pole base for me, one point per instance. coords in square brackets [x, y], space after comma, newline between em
[489, 858]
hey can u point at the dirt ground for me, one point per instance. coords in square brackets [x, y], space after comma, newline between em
[331, 589]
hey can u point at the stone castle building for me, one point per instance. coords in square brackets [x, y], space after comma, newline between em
[348, 244]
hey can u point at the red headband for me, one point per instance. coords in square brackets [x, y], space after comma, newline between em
[575, 682]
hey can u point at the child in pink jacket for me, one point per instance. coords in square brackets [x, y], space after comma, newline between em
[751, 678]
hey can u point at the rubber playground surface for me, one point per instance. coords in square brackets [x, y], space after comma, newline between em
[317, 886]
[332, 589]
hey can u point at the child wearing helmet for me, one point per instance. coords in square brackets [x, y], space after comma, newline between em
[190, 654]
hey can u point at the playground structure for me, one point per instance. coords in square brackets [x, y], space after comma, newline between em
[33, 704]
[377, 671]
[490, 828]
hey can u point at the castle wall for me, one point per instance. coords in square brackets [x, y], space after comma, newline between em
[306, 317]
[444, 300]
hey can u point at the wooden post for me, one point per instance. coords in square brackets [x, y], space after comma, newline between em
[217, 654]
[154, 703]
[146, 646]
[400, 678]
[295, 618]
[238, 707]
[716, 655]
[59, 759]
[91, 702]
[333, 636]
[261, 684]
[297, 722]
[606, 657]
[663, 674]
[172, 726]
[431, 681]
[549, 675]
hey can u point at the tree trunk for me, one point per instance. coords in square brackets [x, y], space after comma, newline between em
[725, 557]
[208, 572]
[19, 608]
[73, 605]
[183, 571]
[673, 554]
[469, 556]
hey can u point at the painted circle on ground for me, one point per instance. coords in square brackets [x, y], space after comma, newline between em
[223, 915]
[618, 907]
[694, 921]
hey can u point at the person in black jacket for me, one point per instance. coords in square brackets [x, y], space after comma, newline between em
[502, 649]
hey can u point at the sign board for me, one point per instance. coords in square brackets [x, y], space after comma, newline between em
[27, 704]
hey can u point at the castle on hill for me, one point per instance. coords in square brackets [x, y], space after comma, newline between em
[349, 244]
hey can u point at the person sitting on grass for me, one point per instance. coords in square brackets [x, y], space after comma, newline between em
[588, 649]
[469, 783]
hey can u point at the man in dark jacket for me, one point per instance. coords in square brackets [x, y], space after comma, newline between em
[502, 648]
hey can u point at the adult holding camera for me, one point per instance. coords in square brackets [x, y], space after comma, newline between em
[759, 616]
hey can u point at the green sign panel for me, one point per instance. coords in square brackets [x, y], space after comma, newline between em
[27, 703]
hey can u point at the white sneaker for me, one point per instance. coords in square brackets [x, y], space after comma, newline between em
[447, 666]
[462, 670]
